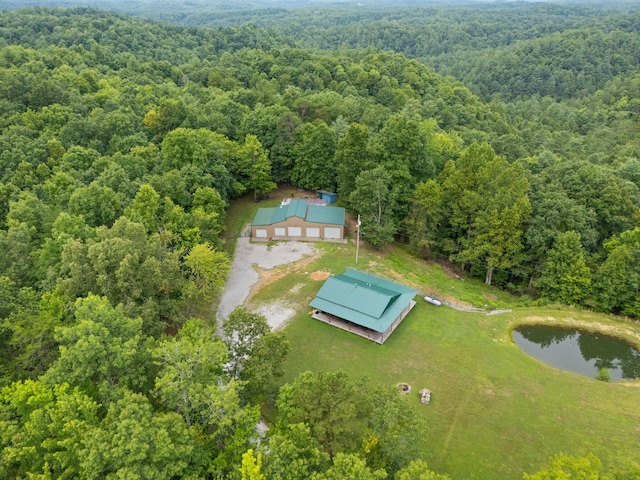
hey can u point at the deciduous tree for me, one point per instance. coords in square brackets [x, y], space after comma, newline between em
[256, 353]
[208, 270]
[330, 403]
[489, 208]
[617, 282]
[145, 208]
[349, 465]
[252, 466]
[43, 430]
[190, 378]
[315, 145]
[292, 453]
[133, 441]
[427, 220]
[566, 276]
[253, 167]
[98, 205]
[351, 158]
[242, 331]
[103, 352]
[389, 439]
[418, 470]
[374, 199]
[565, 466]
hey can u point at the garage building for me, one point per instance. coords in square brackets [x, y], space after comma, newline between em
[299, 220]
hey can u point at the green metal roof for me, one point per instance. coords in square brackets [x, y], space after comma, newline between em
[363, 299]
[295, 208]
[263, 217]
[324, 214]
[299, 208]
[269, 216]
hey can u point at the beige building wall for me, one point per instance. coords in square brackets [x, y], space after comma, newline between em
[286, 231]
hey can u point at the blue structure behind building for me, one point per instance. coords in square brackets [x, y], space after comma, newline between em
[329, 197]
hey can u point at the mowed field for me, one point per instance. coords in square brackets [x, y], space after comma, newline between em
[496, 412]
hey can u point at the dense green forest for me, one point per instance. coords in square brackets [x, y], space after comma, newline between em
[123, 141]
[512, 49]
[563, 77]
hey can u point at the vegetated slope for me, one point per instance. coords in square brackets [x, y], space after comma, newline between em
[192, 55]
[115, 128]
[110, 84]
[421, 31]
[566, 65]
[559, 40]
[517, 49]
[514, 51]
[564, 52]
[40, 27]
[121, 145]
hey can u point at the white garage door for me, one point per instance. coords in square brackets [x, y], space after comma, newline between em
[281, 232]
[313, 232]
[331, 232]
[295, 231]
[261, 233]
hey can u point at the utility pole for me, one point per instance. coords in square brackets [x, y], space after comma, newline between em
[358, 238]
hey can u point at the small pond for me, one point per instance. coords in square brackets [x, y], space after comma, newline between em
[579, 351]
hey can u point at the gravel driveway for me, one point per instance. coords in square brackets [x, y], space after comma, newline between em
[244, 276]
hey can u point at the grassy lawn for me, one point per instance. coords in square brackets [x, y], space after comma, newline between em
[495, 411]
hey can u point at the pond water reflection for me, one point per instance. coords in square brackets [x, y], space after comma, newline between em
[579, 351]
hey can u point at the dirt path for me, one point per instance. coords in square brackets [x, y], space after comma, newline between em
[244, 275]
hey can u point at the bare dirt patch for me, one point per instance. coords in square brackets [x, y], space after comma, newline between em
[449, 269]
[319, 275]
[277, 314]
[267, 277]
[257, 264]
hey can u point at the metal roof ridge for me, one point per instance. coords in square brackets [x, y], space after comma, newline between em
[347, 307]
[372, 290]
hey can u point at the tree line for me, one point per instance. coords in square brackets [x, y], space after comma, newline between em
[117, 166]
[98, 124]
[563, 77]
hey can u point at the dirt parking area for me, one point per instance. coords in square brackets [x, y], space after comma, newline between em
[249, 259]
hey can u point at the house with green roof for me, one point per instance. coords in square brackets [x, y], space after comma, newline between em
[364, 304]
[299, 220]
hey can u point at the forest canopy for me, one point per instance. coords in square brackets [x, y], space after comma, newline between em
[107, 118]
[123, 142]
